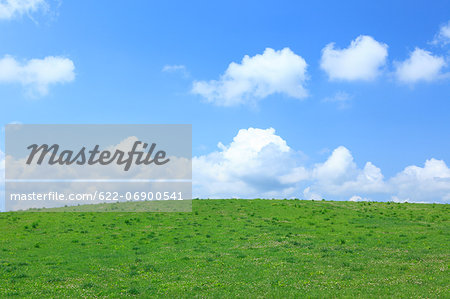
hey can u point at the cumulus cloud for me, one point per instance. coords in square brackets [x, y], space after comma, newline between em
[36, 75]
[257, 77]
[443, 36]
[430, 183]
[337, 168]
[259, 163]
[362, 60]
[339, 175]
[10, 9]
[420, 66]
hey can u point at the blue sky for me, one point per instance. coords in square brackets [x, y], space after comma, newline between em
[119, 50]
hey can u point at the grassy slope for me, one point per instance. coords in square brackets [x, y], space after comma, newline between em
[248, 248]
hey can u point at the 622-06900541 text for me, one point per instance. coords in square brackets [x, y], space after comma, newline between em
[140, 196]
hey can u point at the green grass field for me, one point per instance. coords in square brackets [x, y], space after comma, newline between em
[229, 248]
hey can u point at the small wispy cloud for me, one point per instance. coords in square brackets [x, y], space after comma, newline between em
[176, 68]
[10, 9]
[443, 36]
[340, 98]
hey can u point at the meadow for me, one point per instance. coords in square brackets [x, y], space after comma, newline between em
[230, 248]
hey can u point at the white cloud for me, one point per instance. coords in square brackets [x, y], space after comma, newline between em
[177, 68]
[341, 98]
[357, 198]
[420, 66]
[362, 60]
[338, 167]
[257, 77]
[15, 8]
[173, 68]
[37, 74]
[310, 195]
[430, 183]
[339, 175]
[443, 37]
[258, 163]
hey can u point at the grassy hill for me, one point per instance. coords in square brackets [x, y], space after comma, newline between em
[246, 248]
